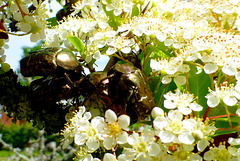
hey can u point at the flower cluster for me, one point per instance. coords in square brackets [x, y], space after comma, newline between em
[171, 137]
[97, 131]
[190, 47]
[183, 101]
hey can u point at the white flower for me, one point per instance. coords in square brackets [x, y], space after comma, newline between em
[228, 95]
[119, 44]
[82, 131]
[142, 147]
[183, 101]
[113, 130]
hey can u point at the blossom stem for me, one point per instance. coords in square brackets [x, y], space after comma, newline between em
[217, 18]
[20, 9]
[228, 115]
[206, 113]
[162, 94]
[187, 82]
[4, 6]
[220, 116]
[138, 44]
[235, 18]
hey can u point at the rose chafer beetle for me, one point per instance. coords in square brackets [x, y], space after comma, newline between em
[129, 91]
[50, 62]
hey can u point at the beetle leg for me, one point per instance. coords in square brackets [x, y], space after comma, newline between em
[68, 79]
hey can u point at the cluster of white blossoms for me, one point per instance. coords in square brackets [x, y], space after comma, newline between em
[29, 20]
[184, 102]
[192, 45]
[171, 136]
[188, 28]
[21, 18]
[230, 95]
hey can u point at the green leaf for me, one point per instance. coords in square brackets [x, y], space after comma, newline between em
[52, 21]
[135, 11]
[161, 47]
[199, 82]
[1, 71]
[78, 44]
[112, 18]
[223, 132]
[233, 119]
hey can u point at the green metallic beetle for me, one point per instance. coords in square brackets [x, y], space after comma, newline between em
[129, 91]
[49, 62]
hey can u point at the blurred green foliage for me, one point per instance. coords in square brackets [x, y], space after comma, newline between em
[18, 135]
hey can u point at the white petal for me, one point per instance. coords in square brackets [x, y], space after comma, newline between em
[124, 121]
[109, 157]
[117, 12]
[175, 114]
[166, 136]
[110, 116]
[209, 155]
[80, 139]
[133, 139]
[234, 141]
[122, 137]
[166, 79]
[126, 50]
[109, 7]
[189, 124]
[237, 87]
[210, 68]
[160, 123]
[202, 144]
[156, 111]
[122, 157]
[87, 115]
[88, 158]
[153, 149]
[129, 153]
[168, 42]
[96, 120]
[238, 112]
[143, 157]
[161, 37]
[195, 157]
[108, 143]
[180, 80]
[93, 144]
[186, 138]
[185, 68]
[229, 70]
[169, 104]
[185, 110]
[237, 76]
[230, 101]
[212, 101]
[196, 107]
[111, 51]
[138, 32]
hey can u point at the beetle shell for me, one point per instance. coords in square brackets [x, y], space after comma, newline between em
[48, 62]
[128, 87]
